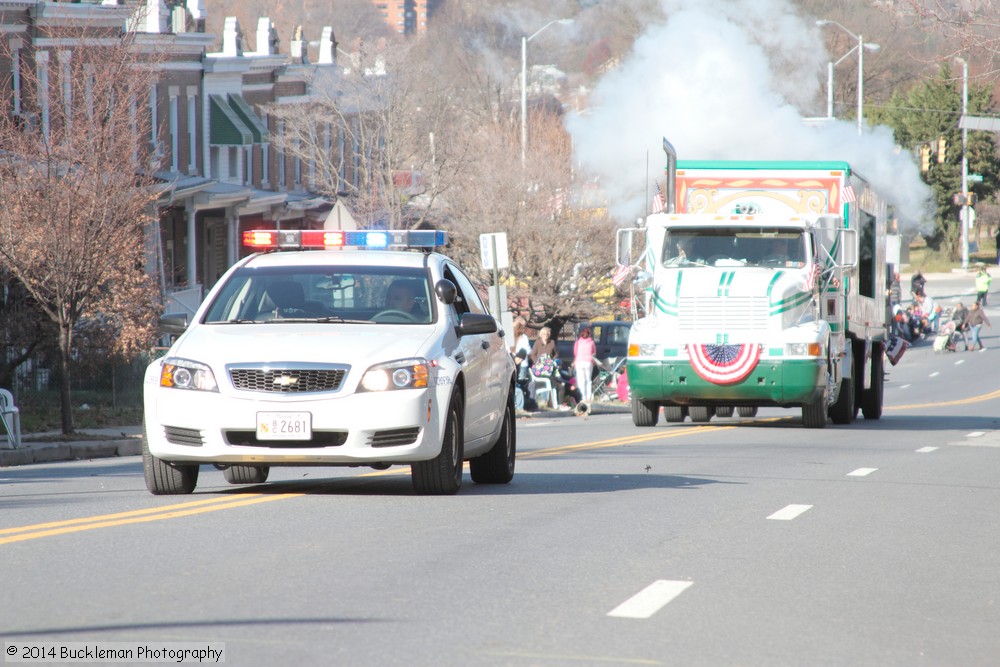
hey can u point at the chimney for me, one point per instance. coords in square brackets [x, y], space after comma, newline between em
[232, 40]
[327, 47]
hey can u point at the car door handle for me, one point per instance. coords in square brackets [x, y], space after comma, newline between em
[485, 344]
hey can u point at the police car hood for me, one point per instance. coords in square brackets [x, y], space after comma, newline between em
[354, 344]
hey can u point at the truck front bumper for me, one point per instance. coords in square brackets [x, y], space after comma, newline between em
[780, 382]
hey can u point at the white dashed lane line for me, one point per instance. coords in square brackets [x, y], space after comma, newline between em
[861, 472]
[651, 599]
[926, 450]
[935, 374]
[790, 512]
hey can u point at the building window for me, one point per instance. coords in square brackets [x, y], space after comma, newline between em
[174, 131]
[192, 126]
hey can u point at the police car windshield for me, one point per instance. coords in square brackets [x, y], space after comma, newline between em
[323, 294]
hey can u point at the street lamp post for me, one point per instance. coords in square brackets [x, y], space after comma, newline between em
[524, 83]
[964, 213]
[860, 47]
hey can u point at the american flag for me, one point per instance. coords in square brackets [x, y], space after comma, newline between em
[623, 271]
[658, 200]
[812, 275]
[849, 195]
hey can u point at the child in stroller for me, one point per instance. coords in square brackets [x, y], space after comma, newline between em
[949, 334]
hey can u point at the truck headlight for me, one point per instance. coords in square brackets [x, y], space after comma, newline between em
[186, 374]
[804, 350]
[402, 374]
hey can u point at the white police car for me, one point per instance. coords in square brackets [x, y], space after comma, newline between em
[320, 352]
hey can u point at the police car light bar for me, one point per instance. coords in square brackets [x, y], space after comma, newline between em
[301, 239]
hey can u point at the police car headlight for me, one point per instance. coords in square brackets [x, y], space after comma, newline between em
[187, 374]
[403, 374]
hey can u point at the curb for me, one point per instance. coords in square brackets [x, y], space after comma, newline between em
[49, 452]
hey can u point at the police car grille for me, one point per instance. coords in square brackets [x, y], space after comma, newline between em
[183, 436]
[395, 437]
[287, 381]
[319, 439]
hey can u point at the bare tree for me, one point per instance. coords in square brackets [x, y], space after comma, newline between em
[76, 191]
[969, 28]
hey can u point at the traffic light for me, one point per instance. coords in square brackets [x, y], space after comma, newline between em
[925, 158]
[942, 149]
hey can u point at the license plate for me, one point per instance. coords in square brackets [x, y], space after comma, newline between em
[284, 426]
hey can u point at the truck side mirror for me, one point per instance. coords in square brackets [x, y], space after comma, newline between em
[623, 246]
[849, 248]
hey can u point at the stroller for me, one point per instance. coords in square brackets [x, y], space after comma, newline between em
[948, 335]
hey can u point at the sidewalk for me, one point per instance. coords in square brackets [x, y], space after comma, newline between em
[48, 447]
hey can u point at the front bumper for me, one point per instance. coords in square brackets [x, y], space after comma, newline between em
[400, 426]
[780, 382]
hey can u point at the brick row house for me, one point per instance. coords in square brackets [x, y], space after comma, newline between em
[218, 171]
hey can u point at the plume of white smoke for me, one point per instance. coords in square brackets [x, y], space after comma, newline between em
[726, 79]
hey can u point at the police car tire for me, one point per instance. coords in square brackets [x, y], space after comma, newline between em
[167, 479]
[442, 475]
[497, 465]
[645, 413]
[246, 474]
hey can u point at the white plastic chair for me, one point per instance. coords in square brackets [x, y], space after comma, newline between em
[10, 420]
[544, 392]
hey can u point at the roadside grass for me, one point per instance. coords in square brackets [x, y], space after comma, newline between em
[934, 261]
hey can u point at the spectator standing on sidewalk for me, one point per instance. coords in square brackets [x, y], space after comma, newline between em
[983, 280]
[584, 351]
[974, 322]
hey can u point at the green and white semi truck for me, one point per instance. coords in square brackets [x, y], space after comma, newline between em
[764, 285]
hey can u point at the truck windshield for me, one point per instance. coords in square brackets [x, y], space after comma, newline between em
[734, 246]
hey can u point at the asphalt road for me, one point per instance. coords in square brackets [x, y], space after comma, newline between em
[740, 542]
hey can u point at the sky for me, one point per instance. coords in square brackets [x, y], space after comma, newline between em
[728, 79]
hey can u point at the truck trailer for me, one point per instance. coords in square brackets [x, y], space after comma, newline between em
[764, 284]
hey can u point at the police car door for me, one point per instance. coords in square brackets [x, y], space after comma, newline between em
[474, 354]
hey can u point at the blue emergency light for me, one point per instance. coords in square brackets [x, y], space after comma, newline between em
[302, 239]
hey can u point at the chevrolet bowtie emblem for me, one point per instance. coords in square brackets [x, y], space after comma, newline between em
[285, 381]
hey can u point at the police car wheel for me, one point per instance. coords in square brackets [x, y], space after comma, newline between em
[246, 474]
[163, 478]
[442, 475]
[497, 465]
[393, 316]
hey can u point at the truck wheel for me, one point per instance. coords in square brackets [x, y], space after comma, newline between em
[814, 414]
[725, 411]
[747, 410]
[674, 414]
[246, 474]
[700, 413]
[497, 465]
[645, 413]
[164, 478]
[871, 405]
[842, 412]
[442, 475]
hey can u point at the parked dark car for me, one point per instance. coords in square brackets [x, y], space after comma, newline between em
[610, 337]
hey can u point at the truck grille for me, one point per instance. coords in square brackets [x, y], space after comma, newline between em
[730, 313]
[288, 381]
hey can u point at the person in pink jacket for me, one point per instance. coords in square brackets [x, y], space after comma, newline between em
[584, 350]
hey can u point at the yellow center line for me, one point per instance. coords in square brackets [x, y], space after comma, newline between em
[961, 401]
[137, 516]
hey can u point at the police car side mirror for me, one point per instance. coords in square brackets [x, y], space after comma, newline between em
[173, 324]
[476, 323]
[446, 291]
